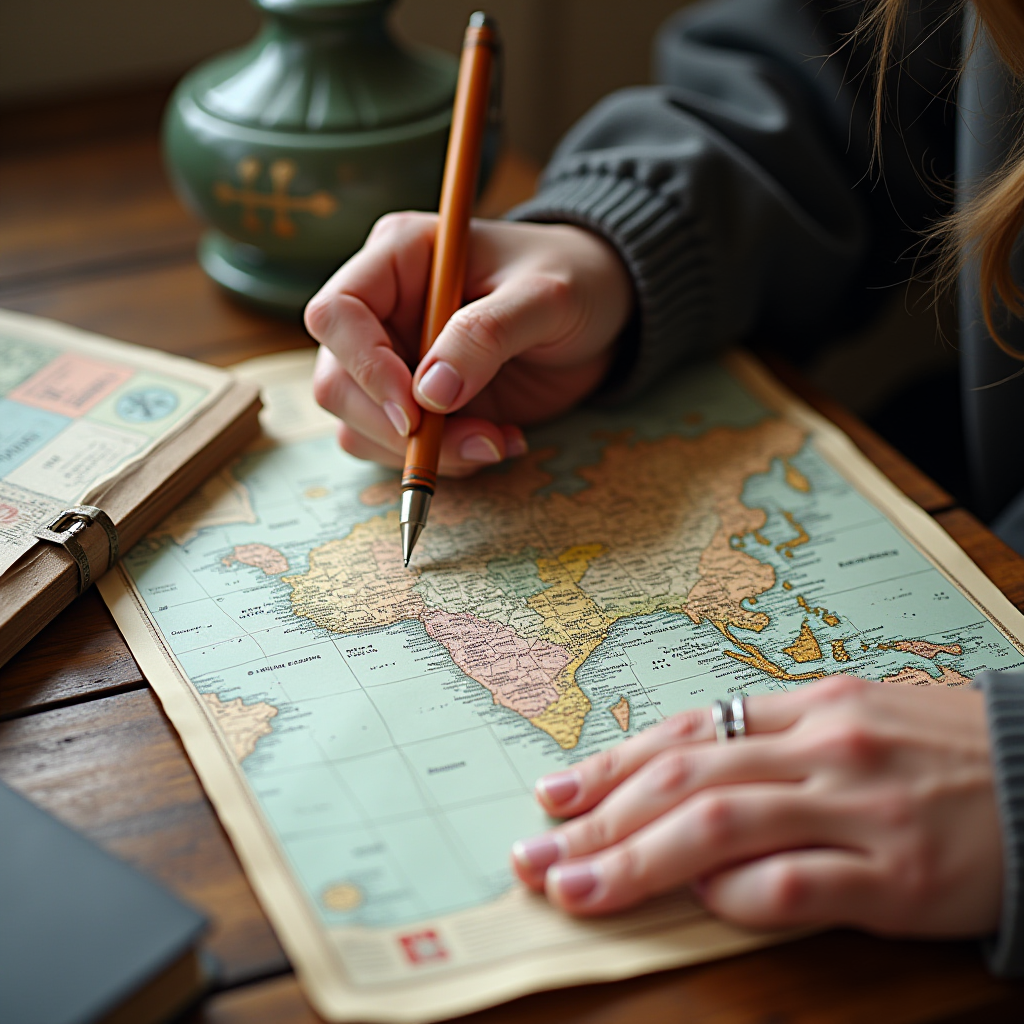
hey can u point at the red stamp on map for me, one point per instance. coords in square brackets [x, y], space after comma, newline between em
[423, 947]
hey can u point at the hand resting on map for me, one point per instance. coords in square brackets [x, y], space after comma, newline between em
[545, 303]
[848, 803]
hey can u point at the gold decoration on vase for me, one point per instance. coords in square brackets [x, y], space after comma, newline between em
[278, 201]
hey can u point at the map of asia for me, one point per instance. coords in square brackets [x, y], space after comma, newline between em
[385, 726]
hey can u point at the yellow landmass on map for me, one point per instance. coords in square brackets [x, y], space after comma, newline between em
[756, 658]
[796, 479]
[620, 712]
[839, 651]
[823, 613]
[650, 532]
[787, 546]
[242, 724]
[348, 587]
[805, 647]
[342, 897]
[573, 621]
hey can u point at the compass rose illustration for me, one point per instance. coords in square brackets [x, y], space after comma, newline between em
[145, 405]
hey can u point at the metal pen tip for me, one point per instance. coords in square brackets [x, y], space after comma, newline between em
[413, 517]
[410, 534]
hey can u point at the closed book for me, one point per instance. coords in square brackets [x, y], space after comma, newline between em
[85, 938]
[90, 422]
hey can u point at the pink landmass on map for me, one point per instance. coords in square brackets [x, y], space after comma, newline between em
[519, 673]
[259, 556]
[926, 649]
[911, 676]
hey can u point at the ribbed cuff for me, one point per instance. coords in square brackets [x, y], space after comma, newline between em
[1004, 703]
[666, 255]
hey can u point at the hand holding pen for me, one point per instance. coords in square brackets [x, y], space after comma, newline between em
[544, 304]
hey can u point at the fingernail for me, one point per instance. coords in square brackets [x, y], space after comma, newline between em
[479, 449]
[439, 386]
[560, 788]
[399, 420]
[573, 881]
[515, 445]
[537, 853]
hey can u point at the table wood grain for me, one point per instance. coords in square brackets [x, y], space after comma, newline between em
[837, 978]
[91, 234]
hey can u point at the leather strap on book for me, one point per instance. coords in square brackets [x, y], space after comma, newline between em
[63, 529]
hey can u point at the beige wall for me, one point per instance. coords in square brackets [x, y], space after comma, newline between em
[561, 55]
[55, 47]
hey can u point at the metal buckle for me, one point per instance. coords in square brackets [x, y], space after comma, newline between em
[63, 529]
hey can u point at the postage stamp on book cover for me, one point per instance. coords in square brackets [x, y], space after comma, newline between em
[75, 411]
[370, 735]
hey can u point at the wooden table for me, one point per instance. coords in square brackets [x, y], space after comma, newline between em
[90, 234]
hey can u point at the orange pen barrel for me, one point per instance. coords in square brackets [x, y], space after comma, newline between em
[458, 191]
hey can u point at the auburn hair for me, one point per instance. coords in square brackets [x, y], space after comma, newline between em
[986, 226]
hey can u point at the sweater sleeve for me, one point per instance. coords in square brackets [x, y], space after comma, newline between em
[737, 191]
[1004, 704]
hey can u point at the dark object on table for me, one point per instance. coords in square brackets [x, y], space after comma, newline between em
[291, 147]
[83, 937]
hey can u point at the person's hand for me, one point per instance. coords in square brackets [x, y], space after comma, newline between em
[544, 305]
[848, 803]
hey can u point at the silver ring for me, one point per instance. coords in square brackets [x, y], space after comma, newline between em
[718, 716]
[739, 718]
[730, 719]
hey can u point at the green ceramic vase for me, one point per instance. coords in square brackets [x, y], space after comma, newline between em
[291, 147]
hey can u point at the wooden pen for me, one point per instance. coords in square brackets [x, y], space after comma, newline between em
[448, 269]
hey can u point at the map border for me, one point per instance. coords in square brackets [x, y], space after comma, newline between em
[606, 950]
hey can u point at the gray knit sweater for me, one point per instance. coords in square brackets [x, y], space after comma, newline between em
[739, 192]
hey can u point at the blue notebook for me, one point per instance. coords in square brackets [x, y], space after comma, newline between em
[85, 938]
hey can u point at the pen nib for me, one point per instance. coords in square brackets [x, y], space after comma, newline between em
[413, 517]
[410, 534]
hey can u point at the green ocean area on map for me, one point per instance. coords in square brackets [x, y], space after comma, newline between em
[392, 779]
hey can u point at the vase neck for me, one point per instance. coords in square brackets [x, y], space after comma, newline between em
[327, 66]
[353, 13]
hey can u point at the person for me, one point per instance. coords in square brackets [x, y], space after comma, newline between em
[747, 191]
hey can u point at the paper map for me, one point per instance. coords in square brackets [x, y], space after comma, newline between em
[371, 735]
[75, 410]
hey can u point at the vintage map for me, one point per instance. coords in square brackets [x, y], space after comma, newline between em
[371, 735]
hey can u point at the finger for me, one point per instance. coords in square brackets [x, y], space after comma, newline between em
[572, 792]
[660, 785]
[577, 790]
[803, 887]
[385, 282]
[389, 274]
[364, 448]
[700, 837]
[340, 394]
[468, 444]
[521, 313]
[361, 347]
